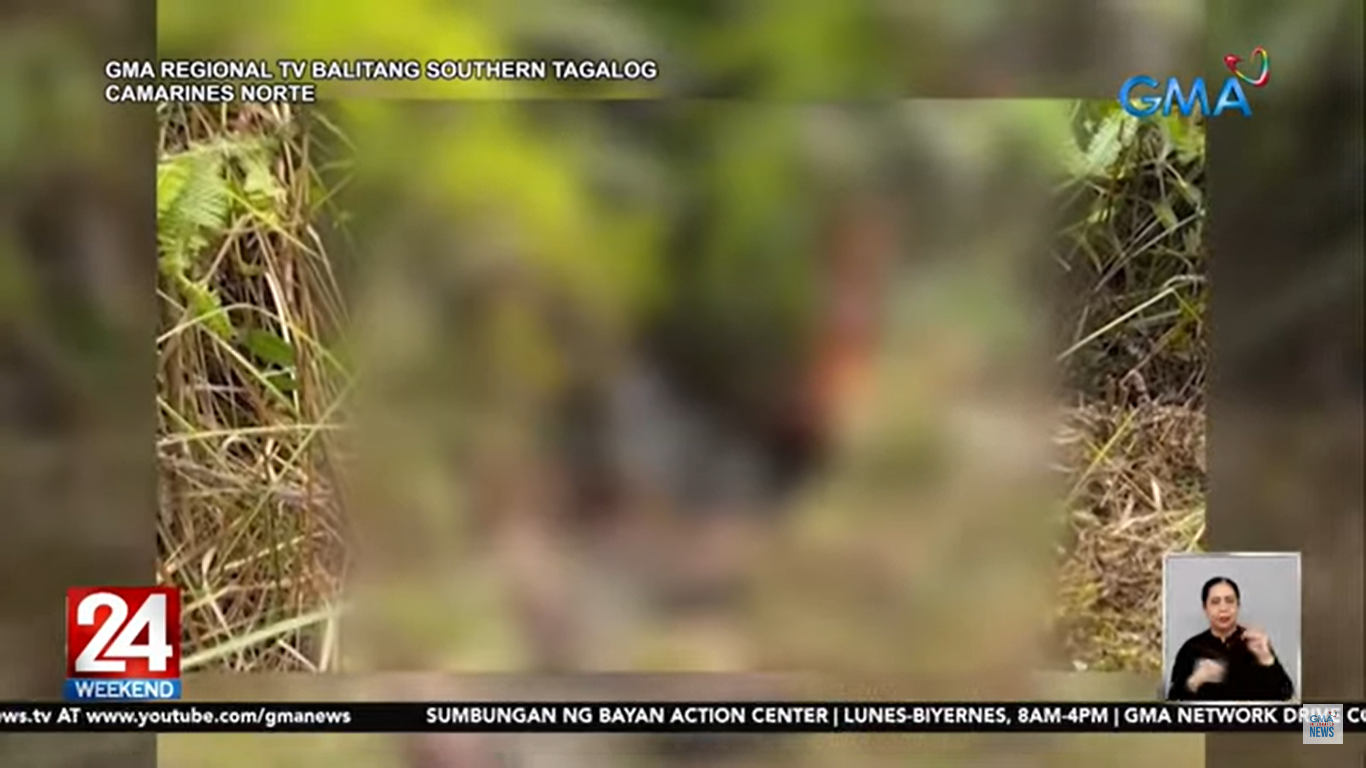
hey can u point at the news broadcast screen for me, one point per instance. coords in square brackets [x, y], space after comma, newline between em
[448, 384]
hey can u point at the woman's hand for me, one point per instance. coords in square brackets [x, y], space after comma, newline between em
[1260, 646]
[1206, 671]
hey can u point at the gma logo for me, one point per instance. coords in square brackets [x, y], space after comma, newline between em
[1143, 96]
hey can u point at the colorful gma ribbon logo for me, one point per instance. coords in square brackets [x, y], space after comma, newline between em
[1176, 96]
[1260, 55]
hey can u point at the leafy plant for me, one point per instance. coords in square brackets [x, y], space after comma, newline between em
[199, 192]
[193, 203]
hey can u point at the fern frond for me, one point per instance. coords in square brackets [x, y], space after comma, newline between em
[193, 206]
[193, 203]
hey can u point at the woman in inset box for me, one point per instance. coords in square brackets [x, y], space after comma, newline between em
[1227, 662]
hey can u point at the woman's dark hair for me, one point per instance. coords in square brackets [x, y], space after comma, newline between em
[1204, 591]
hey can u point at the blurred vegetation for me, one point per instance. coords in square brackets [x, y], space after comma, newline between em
[70, 285]
[253, 364]
[252, 357]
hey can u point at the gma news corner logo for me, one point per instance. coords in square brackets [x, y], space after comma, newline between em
[1143, 96]
[122, 643]
[1322, 723]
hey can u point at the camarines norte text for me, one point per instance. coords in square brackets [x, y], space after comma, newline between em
[259, 80]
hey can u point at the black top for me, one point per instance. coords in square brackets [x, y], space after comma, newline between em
[1245, 679]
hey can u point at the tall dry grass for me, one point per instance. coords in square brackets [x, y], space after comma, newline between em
[248, 387]
[1134, 432]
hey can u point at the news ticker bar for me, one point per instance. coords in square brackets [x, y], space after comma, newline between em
[672, 717]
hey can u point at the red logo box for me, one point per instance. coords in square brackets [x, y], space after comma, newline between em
[123, 633]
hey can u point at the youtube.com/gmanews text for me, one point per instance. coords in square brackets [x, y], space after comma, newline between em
[164, 718]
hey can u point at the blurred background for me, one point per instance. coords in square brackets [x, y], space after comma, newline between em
[797, 361]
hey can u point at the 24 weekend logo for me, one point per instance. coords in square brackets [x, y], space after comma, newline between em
[1143, 95]
[122, 643]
